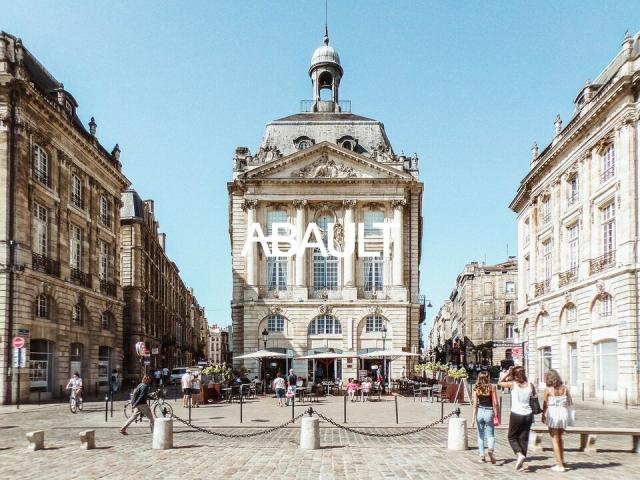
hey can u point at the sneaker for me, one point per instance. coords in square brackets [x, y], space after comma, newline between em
[558, 468]
[520, 461]
[482, 460]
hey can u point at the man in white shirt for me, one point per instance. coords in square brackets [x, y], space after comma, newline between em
[186, 387]
[75, 384]
[165, 375]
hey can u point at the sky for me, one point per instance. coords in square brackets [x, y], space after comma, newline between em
[468, 86]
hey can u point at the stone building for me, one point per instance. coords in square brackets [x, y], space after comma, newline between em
[215, 344]
[59, 234]
[439, 333]
[159, 308]
[477, 324]
[577, 215]
[326, 166]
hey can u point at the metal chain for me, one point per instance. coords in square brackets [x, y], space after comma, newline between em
[385, 435]
[239, 435]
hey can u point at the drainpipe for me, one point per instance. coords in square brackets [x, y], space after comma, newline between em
[11, 172]
[636, 146]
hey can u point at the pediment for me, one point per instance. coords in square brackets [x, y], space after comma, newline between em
[325, 161]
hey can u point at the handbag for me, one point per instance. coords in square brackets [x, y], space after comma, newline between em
[533, 402]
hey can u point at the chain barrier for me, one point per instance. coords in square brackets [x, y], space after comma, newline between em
[238, 435]
[387, 435]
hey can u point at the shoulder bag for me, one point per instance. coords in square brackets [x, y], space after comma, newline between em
[533, 401]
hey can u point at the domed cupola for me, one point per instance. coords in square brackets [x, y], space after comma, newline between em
[325, 72]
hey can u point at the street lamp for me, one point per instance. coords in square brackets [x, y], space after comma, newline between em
[265, 336]
[384, 359]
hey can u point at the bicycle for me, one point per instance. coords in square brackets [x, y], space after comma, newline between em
[75, 403]
[159, 407]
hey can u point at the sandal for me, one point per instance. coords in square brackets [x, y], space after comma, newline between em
[124, 432]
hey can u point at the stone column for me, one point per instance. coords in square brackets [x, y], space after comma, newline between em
[349, 205]
[300, 206]
[249, 206]
[398, 250]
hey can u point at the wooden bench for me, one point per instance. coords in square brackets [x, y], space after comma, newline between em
[588, 436]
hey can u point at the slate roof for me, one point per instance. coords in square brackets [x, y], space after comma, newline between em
[132, 205]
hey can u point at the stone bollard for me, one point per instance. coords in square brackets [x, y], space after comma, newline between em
[163, 434]
[457, 434]
[88, 440]
[36, 440]
[310, 433]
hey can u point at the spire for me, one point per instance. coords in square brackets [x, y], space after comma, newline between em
[326, 25]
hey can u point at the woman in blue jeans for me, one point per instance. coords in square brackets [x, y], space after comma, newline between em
[485, 408]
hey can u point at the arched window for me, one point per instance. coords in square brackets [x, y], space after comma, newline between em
[106, 320]
[40, 165]
[374, 323]
[303, 142]
[275, 323]
[348, 142]
[606, 305]
[325, 82]
[77, 315]
[42, 306]
[325, 325]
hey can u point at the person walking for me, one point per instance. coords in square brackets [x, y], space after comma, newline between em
[185, 381]
[292, 385]
[279, 386]
[486, 414]
[165, 376]
[115, 384]
[139, 404]
[195, 389]
[556, 415]
[521, 417]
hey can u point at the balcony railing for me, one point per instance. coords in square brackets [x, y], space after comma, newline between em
[41, 175]
[546, 218]
[607, 174]
[541, 288]
[603, 262]
[106, 219]
[574, 198]
[373, 293]
[570, 276]
[80, 277]
[108, 288]
[325, 292]
[44, 264]
[325, 105]
[76, 200]
[275, 291]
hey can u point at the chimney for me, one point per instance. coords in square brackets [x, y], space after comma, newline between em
[162, 240]
[149, 204]
[93, 127]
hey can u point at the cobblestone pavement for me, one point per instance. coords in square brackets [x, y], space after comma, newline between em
[344, 455]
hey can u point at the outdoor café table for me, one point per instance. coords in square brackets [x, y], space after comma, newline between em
[427, 390]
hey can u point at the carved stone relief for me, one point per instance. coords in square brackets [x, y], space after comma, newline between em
[324, 167]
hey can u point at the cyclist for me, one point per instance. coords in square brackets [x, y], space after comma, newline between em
[75, 384]
[139, 404]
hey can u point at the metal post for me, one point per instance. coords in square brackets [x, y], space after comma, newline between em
[96, 389]
[602, 394]
[111, 388]
[345, 409]
[441, 411]
[106, 407]
[18, 392]
[395, 398]
[583, 391]
[501, 408]
[189, 399]
[293, 406]
[175, 392]
[241, 404]
[39, 392]
[626, 400]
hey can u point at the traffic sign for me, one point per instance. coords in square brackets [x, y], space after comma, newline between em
[18, 342]
[19, 357]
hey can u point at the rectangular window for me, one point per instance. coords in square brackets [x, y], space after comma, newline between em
[277, 273]
[608, 228]
[574, 246]
[574, 192]
[104, 363]
[371, 217]
[547, 266]
[546, 211]
[105, 211]
[508, 308]
[606, 356]
[573, 364]
[75, 247]
[606, 305]
[41, 306]
[374, 323]
[526, 231]
[76, 191]
[325, 271]
[545, 362]
[275, 323]
[276, 216]
[510, 288]
[608, 163]
[40, 230]
[488, 289]
[104, 261]
[508, 331]
[40, 165]
[373, 274]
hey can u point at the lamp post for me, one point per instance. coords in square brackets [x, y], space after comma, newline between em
[265, 336]
[384, 359]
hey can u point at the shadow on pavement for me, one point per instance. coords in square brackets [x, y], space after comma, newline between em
[577, 466]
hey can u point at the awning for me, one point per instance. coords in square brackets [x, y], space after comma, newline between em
[264, 354]
[325, 355]
[388, 354]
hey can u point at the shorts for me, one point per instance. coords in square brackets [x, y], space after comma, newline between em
[186, 391]
[279, 393]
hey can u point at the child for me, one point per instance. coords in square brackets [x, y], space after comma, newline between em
[352, 389]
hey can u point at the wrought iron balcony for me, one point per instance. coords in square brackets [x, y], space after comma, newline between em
[574, 198]
[570, 276]
[546, 218]
[275, 291]
[603, 262]
[373, 293]
[607, 174]
[44, 264]
[79, 277]
[541, 288]
[325, 293]
[108, 288]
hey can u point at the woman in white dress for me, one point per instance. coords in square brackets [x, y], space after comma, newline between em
[555, 414]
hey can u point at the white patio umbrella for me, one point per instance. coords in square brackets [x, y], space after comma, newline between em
[263, 354]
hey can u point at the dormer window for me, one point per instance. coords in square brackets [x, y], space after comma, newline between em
[348, 142]
[68, 107]
[303, 142]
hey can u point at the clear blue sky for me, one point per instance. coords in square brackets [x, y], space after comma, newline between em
[467, 85]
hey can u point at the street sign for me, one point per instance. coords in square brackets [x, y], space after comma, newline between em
[18, 342]
[19, 357]
[155, 351]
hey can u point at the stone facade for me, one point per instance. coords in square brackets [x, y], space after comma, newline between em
[59, 234]
[481, 309]
[218, 345]
[577, 213]
[160, 310]
[326, 166]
